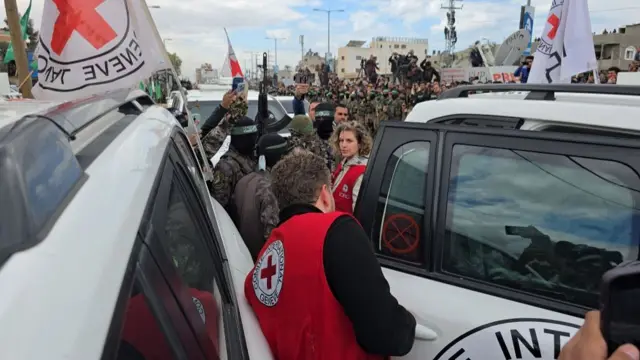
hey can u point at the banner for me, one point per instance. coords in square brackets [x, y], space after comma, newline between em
[527, 24]
[83, 51]
[566, 44]
[485, 74]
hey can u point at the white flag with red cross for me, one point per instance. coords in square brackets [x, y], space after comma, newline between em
[566, 47]
[88, 47]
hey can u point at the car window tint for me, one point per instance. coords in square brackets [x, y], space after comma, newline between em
[402, 203]
[543, 223]
[188, 156]
[184, 243]
[142, 337]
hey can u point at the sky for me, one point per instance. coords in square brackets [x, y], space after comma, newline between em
[196, 27]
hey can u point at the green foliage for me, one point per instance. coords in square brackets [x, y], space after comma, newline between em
[175, 61]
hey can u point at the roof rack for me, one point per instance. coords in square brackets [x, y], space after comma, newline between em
[542, 91]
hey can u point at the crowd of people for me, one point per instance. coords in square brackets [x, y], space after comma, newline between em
[299, 194]
[296, 196]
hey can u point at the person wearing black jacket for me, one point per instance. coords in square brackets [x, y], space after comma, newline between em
[218, 114]
[351, 315]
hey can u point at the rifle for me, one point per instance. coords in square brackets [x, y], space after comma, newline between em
[263, 106]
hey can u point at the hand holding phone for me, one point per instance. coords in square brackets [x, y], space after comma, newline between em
[588, 344]
[619, 306]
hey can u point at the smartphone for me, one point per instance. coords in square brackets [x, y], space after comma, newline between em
[238, 85]
[619, 305]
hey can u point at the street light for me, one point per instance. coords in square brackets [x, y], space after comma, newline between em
[328, 11]
[154, 7]
[164, 41]
[275, 39]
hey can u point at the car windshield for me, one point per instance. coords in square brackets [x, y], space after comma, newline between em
[288, 105]
[204, 109]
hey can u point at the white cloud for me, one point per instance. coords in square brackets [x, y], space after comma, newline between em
[196, 25]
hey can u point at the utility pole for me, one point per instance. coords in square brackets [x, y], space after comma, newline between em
[275, 40]
[450, 33]
[328, 11]
[301, 49]
[19, 49]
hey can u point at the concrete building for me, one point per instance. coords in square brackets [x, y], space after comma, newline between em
[285, 76]
[349, 56]
[615, 48]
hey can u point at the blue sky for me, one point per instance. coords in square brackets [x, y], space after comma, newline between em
[196, 26]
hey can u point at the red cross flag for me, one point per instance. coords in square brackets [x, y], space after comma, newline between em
[91, 46]
[565, 48]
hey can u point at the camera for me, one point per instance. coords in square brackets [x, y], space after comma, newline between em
[620, 313]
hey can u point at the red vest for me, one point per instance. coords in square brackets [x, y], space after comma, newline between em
[343, 193]
[301, 319]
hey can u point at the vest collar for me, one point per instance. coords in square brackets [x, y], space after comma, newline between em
[296, 209]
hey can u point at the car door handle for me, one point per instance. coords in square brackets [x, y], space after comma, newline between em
[425, 333]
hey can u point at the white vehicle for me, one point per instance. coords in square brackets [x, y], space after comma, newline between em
[110, 245]
[495, 215]
[202, 103]
[287, 103]
[494, 237]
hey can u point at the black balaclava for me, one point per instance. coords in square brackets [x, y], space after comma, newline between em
[244, 134]
[325, 114]
[273, 147]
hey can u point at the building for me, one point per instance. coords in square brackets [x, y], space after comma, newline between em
[616, 48]
[382, 48]
[285, 76]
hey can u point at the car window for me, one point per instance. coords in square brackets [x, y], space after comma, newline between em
[542, 223]
[184, 242]
[141, 336]
[401, 205]
[288, 105]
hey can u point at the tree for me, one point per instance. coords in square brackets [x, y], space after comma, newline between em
[33, 41]
[31, 32]
[175, 61]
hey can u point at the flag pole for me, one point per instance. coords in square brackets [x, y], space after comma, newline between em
[19, 49]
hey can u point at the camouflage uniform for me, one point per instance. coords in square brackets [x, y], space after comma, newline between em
[214, 139]
[370, 113]
[379, 105]
[309, 142]
[395, 108]
[326, 149]
[229, 170]
[269, 211]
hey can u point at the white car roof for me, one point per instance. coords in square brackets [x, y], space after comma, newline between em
[62, 292]
[199, 95]
[579, 109]
[13, 110]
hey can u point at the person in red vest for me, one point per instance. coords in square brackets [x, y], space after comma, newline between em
[352, 141]
[317, 288]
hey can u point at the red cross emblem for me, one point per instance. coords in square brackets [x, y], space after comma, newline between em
[268, 272]
[80, 16]
[555, 22]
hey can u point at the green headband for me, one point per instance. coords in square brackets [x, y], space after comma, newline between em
[324, 113]
[277, 146]
[244, 130]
